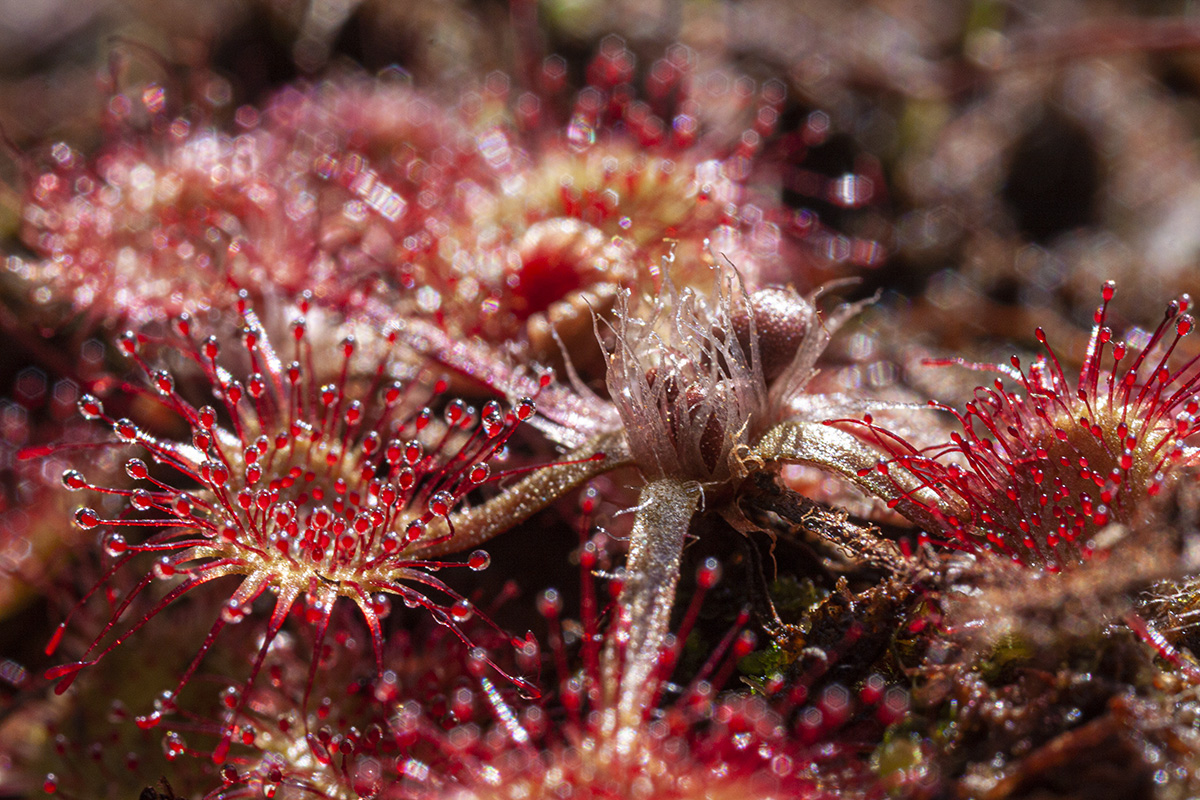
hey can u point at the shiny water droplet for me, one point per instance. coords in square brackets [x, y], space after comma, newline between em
[462, 610]
[90, 407]
[74, 480]
[164, 384]
[479, 560]
[115, 544]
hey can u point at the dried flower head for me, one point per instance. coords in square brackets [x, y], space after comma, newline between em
[1037, 473]
[683, 385]
[694, 400]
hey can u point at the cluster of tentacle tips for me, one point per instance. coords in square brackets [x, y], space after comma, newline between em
[317, 478]
[1035, 471]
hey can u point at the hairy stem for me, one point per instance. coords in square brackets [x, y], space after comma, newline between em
[664, 513]
[835, 450]
[473, 526]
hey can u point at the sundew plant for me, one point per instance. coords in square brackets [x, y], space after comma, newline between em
[751, 401]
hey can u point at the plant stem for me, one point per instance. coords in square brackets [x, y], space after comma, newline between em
[664, 514]
[475, 525]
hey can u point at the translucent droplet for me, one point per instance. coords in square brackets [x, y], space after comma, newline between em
[440, 503]
[461, 611]
[234, 612]
[90, 407]
[74, 480]
[581, 133]
[164, 384]
[126, 430]
[115, 545]
[549, 603]
[479, 560]
[709, 573]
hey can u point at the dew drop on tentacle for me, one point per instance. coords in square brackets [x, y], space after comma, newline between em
[86, 518]
[74, 480]
[90, 408]
[479, 560]
[461, 610]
